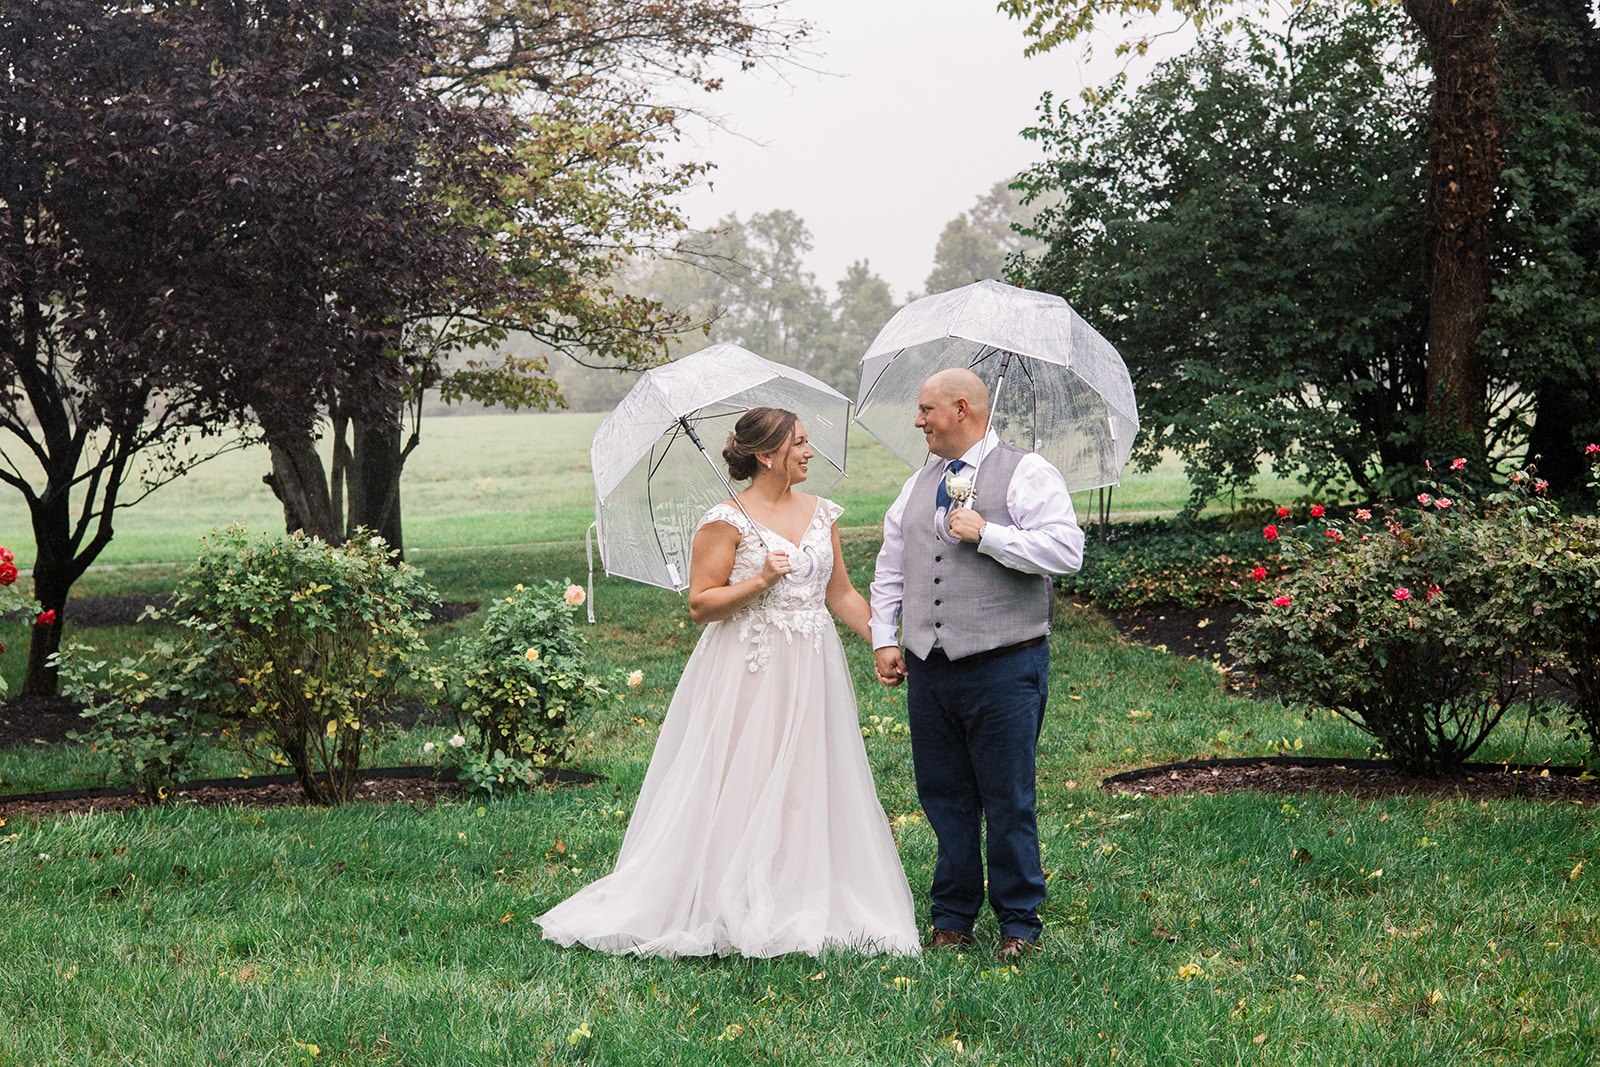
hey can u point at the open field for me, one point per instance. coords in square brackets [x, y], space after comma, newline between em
[1203, 929]
[497, 480]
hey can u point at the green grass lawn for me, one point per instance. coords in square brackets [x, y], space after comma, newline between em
[1198, 930]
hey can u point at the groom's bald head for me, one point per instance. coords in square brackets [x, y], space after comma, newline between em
[953, 411]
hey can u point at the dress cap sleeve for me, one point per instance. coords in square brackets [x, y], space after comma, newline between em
[725, 512]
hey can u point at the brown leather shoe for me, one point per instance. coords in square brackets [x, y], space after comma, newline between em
[1012, 949]
[943, 938]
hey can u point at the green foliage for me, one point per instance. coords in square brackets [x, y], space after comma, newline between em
[311, 639]
[12, 598]
[148, 713]
[523, 681]
[1413, 628]
[1157, 561]
[1243, 228]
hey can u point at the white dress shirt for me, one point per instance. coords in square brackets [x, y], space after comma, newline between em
[1046, 539]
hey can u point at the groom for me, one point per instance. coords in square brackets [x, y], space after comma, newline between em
[967, 590]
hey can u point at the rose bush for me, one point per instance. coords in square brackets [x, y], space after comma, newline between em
[522, 683]
[1411, 628]
[12, 596]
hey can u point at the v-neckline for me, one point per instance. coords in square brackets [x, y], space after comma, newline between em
[815, 509]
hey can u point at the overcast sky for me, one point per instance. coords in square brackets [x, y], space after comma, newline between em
[917, 115]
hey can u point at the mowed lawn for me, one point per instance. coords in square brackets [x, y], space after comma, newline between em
[1199, 930]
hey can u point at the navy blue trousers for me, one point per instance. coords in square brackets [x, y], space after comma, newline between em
[974, 733]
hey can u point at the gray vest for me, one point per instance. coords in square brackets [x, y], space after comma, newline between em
[954, 596]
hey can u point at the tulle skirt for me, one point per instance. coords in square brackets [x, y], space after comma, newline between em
[758, 830]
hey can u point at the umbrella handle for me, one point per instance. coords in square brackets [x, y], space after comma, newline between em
[588, 550]
[683, 420]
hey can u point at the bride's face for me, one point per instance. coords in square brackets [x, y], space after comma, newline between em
[793, 459]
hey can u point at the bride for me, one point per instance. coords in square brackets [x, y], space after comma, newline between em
[758, 829]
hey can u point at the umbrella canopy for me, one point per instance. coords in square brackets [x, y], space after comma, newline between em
[653, 481]
[1067, 394]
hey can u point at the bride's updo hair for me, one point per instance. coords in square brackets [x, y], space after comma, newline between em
[758, 430]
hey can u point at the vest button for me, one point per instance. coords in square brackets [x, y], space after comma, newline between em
[936, 581]
[938, 559]
[937, 625]
[936, 603]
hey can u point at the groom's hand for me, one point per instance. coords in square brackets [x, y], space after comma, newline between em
[966, 525]
[891, 667]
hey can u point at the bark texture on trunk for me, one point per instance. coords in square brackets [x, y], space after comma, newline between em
[1464, 158]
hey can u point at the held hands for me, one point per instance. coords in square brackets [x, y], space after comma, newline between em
[966, 525]
[889, 664]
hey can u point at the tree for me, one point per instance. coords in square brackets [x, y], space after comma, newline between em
[977, 243]
[209, 207]
[1463, 168]
[586, 186]
[1243, 229]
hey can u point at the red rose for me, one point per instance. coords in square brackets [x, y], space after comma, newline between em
[1270, 533]
[1281, 601]
[1457, 463]
[1259, 574]
[46, 618]
[1316, 511]
[8, 572]
[1591, 450]
[6, 555]
[1402, 593]
[1283, 513]
[1334, 536]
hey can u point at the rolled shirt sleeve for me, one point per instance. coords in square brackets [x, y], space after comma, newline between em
[888, 575]
[1046, 538]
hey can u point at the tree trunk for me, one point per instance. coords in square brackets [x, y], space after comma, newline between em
[375, 476]
[300, 482]
[1463, 170]
[54, 571]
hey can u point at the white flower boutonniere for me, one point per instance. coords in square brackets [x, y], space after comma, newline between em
[958, 484]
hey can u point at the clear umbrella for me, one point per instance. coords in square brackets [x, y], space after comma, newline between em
[1058, 388]
[653, 476]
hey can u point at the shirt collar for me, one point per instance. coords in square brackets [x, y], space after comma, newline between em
[984, 446]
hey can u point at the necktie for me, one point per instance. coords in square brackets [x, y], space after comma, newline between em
[941, 497]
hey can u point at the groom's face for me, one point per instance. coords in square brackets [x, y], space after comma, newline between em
[941, 422]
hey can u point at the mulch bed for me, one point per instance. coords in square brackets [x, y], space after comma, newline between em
[1368, 779]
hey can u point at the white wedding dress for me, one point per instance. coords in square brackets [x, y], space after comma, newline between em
[758, 830]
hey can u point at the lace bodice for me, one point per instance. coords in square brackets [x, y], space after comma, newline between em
[796, 605]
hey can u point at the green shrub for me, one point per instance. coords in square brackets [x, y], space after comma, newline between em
[1411, 628]
[148, 713]
[522, 682]
[1157, 562]
[311, 639]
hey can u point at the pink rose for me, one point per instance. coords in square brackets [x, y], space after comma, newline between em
[1591, 450]
[1402, 593]
[1442, 503]
[1424, 499]
[1270, 533]
[1457, 463]
[574, 595]
[1281, 601]
[1363, 514]
[1316, 511]
[1259, 574]
[1540, 485]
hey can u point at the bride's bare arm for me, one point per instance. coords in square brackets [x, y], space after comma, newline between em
[843, 600]
[711, 598]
